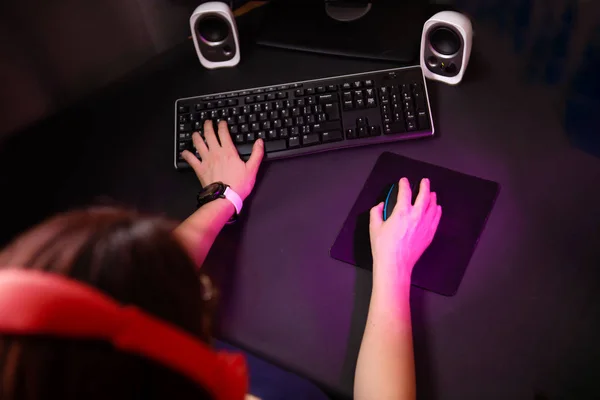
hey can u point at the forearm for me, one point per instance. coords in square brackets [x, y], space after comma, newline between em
[385, 368]
[199, 231]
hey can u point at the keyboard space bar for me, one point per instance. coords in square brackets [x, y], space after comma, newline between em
[270, 146]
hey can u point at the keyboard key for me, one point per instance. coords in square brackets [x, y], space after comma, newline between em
[281, 95]
[332, 111]
[360, 103]
[283, 87]
[310, 139]
[332, 136]
[294, 142]
[331, 88]
[260, 97]
[310, 100]
[221, 103]
[271, 96]
[310, 91]
[304, 129]
[294, 131]
[262, 135]
[348, 105]
[396, 127]
[255, 127]
[233, 129]
[347, 96]
[266, 125]
[199, 107]
[357, 84]
[273, 115]
[327, 126]
[369, 83]
[358, 94]
[267, 107]
[272, 134]
[242, 119]
[210, 105]
[362, 132]
[250, 137]
[320, 118]
[244, 149]
[185, 127]
[258, 91]
[239, 138]
[350, 133]
[244, 128]
[284, 132]
[371, 102]
[249, 99]
[328, 98]
[346, 86]
[277, 124]
[321, 89]
[252, 118]
[183, 109]
[374, 130]
[310, 119]
[275, 145]
[411, 125]
[262, 116]
[361, 122]
[288, 122]
[423, 120]
[299, 92]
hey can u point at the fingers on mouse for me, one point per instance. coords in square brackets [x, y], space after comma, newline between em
[392, 197]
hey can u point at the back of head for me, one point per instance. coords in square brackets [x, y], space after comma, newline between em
[134, 259]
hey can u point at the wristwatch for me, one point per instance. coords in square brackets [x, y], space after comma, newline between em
[219, 190]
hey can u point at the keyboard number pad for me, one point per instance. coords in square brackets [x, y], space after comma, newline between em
[403, 108]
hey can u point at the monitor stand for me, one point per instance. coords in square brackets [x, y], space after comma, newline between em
[383, 30]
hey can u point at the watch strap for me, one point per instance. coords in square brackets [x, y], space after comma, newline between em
[234, 198]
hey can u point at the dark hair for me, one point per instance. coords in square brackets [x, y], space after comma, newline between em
[133, 258]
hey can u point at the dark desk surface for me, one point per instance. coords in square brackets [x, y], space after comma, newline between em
[525, 318]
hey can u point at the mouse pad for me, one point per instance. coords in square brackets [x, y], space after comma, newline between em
[466, 203]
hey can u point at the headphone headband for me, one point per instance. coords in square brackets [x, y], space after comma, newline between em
[42, 303]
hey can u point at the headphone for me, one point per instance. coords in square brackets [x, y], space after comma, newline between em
[43, 303]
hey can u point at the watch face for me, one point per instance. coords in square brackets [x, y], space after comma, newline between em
[214, 190]
[211, 192]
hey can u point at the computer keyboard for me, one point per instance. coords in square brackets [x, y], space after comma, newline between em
[315, 115]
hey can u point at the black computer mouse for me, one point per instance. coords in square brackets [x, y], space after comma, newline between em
[392, 197]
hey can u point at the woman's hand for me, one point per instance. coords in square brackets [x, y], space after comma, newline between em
[221, 162]
[399, 242]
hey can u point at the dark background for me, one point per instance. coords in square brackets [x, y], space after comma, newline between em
[86, 117]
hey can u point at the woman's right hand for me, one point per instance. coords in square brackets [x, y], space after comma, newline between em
[399, 242]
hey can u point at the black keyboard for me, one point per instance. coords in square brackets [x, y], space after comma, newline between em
[313, 116]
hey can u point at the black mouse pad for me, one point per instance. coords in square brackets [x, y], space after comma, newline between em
[466, 203]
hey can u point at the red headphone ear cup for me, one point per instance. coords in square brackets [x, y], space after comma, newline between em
[41, 303]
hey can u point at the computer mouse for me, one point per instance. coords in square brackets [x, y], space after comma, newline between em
[392, 197]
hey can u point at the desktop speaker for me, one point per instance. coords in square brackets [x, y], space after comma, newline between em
[215, 35]
[446, 47]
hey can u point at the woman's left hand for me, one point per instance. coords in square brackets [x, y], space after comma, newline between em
[221, 161]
